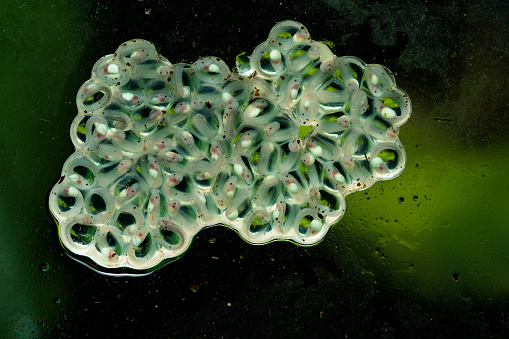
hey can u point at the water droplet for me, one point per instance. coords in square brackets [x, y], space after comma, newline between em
[415, 198]
[195, 288]
[401, 200]
[44, 267]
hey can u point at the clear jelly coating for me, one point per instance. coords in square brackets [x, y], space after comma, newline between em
[165, 150]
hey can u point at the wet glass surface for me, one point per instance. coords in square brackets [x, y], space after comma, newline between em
[422, 255]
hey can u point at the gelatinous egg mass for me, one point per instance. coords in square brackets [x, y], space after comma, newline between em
[164, 150]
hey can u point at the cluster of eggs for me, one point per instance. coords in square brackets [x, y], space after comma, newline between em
[164, 150]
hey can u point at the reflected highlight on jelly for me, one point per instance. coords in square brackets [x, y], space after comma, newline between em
[165, 150]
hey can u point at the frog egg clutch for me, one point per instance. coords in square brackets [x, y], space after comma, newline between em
[165, 150]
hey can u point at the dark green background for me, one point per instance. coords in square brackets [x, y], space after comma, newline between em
[435, 265]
